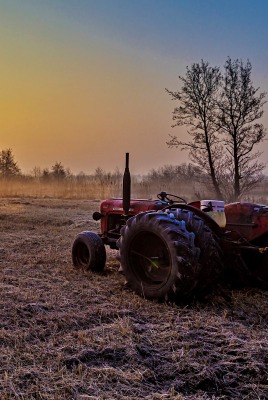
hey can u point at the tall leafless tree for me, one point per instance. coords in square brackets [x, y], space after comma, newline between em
[221, 111]
[240, 107]
[198, 110]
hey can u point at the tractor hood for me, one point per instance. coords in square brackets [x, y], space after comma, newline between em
[136, 206]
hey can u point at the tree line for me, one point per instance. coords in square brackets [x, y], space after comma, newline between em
[185, 179]
[222, 111]
[9, 168]
[185, 172]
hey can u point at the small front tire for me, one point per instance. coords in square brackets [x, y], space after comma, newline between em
[88, 252]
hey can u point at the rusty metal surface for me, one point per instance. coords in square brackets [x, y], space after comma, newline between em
[247, 220]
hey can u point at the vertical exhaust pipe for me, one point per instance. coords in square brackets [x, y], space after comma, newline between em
[126, 187]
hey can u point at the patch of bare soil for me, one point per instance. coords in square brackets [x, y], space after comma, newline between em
[68, 334]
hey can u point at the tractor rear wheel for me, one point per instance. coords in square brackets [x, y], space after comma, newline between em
[211, 256]
[88, 252]
[158, 256]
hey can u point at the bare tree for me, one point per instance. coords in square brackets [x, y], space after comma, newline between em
[36, 172]
[221, 111]
[240, 106]
[198, 110]
[8, 166]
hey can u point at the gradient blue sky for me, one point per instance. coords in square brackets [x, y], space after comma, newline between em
[82, 82]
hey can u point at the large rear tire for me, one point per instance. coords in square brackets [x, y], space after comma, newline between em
[158, 256]
[211, 257]
[88, 252]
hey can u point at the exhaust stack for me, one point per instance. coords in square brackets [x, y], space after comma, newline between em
[126, 187]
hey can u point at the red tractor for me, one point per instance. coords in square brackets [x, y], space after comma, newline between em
[170, 250]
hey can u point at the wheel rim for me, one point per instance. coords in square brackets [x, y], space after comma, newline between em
[149, 259]
[82, 254]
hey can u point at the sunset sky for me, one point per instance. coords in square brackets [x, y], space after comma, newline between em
[83, 81]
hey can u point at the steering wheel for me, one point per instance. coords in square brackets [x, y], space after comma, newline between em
[163, 196]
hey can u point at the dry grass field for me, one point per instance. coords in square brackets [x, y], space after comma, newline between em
[67, 334]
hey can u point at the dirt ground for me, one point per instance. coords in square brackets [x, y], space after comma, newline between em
[67, 334]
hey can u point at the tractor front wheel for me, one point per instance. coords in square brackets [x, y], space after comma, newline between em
[88, 252]
[158, 256]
